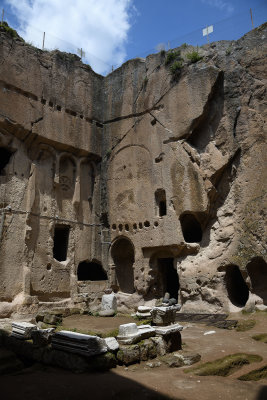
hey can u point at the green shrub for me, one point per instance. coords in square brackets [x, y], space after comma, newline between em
[176, 67]
[228, 51]
[171, 56]
[194, 56]
[184, 46]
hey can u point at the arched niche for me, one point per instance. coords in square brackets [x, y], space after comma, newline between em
[87, 179]
[46, 169]
[67, 175]
[122, 253]
[91, 271]
[257, 271]
[236, 287]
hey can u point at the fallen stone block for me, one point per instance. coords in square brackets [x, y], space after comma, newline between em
[86, 345]
[129, 354]
[131, 333]
[164, 315]
[148, 350]
[23, 330]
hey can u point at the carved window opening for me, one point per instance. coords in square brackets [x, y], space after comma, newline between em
[257, 271]
[191, 228]
[236, 287]
[91, 271]
[160, 198]
[5, 156]
[122, 253]
[61, 241]
[168, 277]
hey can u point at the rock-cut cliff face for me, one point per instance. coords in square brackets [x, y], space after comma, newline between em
[150, 180]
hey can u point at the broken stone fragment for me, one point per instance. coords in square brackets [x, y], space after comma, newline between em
[52, 319]
[111, 344]
[42, 337]
[143, 312]
[131, 333]
[108, 304]
[23, 330]
[164, 315]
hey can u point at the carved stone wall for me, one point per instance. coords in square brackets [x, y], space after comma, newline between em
[158, 180]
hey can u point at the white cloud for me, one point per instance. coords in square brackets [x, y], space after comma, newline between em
[99, 27]
[221, 4]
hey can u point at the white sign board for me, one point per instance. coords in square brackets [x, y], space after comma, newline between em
[208, 30]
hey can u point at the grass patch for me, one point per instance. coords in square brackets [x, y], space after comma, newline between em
[255, 375]
[144, 322]
[224, 366]
[194, 56]
[245, 325]
[260, 338]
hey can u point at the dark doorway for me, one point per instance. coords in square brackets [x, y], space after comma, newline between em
[237, 289]
[191, 228]
[122, 253]
[91, 271]
[169, 277]
[61, 241]
[5, 155]
[257, 271]
[160, 198]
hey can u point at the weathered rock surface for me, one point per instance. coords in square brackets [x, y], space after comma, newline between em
[170, 172]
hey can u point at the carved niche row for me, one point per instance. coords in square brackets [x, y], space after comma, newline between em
[73, 176]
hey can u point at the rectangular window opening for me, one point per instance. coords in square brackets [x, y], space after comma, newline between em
[61, 241]
[161, 205]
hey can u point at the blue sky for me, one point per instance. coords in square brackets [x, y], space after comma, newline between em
[113, 31]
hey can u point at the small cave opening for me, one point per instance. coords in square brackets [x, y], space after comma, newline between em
[5, 156]
[168, 276]
[236, 287]
[61, 241]
[257, 271]
[122, 253]
[160, 199]
[91, 271]
[191, 228]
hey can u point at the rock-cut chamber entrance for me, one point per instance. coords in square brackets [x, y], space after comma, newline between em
[122, 253]
[168, 277]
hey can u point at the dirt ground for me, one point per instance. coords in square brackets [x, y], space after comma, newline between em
[142, 382]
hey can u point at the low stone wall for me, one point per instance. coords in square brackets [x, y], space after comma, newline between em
[145, 350]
